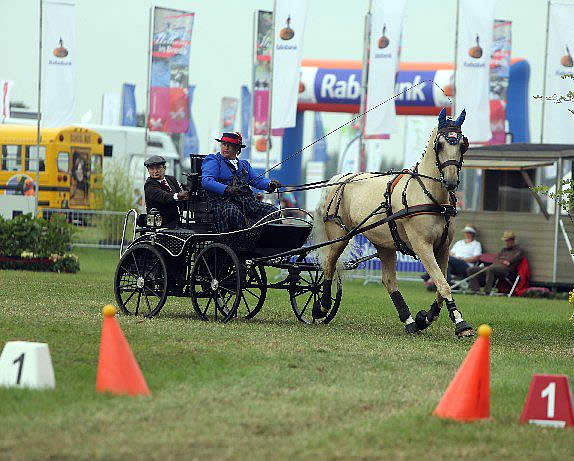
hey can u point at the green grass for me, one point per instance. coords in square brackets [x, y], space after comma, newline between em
[272, 388]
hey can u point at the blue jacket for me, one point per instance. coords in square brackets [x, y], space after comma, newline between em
[216, 175]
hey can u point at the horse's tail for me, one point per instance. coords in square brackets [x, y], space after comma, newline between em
[319, 234]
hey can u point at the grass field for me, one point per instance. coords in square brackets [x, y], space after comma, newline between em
[272, 388]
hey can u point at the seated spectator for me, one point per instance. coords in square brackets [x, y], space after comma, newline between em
[504, 264]
[463, 254]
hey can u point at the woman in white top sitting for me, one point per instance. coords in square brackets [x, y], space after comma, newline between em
[463, 254]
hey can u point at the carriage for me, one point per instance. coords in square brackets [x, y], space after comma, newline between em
[224, 274]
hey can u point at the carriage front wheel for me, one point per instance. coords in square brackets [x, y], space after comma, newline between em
[215, 282]
[308, 290]
[140, 284]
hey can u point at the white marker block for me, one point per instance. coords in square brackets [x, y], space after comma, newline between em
[26, 364]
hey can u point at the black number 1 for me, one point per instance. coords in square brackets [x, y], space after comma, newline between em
[21, 360]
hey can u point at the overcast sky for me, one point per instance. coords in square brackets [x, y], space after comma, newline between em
[112, 36]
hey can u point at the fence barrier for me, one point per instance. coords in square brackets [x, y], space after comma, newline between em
[95, 228]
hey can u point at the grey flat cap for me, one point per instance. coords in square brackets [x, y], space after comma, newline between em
[154, 160]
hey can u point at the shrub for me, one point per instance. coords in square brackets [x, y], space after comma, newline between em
[67, 262]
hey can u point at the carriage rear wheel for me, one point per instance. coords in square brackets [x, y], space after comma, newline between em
[215, 282]
[253, 293]
[140, 284]
[309, 290]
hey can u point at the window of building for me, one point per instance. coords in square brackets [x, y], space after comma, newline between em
[11, 158]
[507, 191]
[31, 156]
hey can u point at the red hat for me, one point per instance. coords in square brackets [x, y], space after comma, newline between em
[232, 138]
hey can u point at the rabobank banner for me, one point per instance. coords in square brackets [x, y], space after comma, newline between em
[5, 93]
[472, 84]
[129, 104]
[290, 16]
[327, 86]
[386, 25]
[59, 63]
[557, 120]
[246, 119]
[168, 98]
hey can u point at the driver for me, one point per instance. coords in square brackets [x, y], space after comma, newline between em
[227, 181]
[163, 192]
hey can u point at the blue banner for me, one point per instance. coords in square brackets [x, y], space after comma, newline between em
[320, 146]
[129, 104]
[246, 119]
[190, 140]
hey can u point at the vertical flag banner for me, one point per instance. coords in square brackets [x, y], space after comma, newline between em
[261, 71]
[228, 113]
[499, 77]
[246, 119]
[171, 42]
[190, 140]
[557, 118]
[111, 109]
[58, 63]
[320, 146]
[290, 17]
[128, 104]
[472, 74]
[5, 94]
[386, 25]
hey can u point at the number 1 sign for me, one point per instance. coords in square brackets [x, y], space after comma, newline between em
[549, 402]
[26, 364]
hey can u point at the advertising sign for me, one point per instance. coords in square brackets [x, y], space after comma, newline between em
[228, 113]
[499, 77]
[129, 105]
[171, 42]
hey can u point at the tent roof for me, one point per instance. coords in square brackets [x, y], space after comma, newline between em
[497, 164]
[521, 152]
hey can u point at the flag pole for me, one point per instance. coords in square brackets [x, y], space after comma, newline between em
[37, 185]
[364, 83]
[148, 83]
[268, 143]
[453, 103]
[545, 72]
[251, 133]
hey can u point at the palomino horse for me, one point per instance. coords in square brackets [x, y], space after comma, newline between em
[426, 229]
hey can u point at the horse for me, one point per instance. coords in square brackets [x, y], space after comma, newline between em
[425, 195]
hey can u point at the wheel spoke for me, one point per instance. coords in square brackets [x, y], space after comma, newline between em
[233, 292]
[305, 306]
[246, 303]
[138, 303]
[153, 291]
[129, 297]
[129, 272]
[251, 293]
[135, 262]
[147, 302]
[151, 270]
[207, 266]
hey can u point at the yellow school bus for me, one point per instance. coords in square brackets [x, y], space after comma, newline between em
[70, 168]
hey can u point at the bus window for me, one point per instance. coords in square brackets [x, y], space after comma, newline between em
[96, 163]
[63, 162]
[11, 158]
[31, 157]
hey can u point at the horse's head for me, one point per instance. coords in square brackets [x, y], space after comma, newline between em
[449, 147]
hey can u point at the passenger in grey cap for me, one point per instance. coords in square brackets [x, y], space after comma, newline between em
[163, 192]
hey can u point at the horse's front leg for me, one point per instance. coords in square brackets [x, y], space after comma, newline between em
[426, 254]
[389, 278]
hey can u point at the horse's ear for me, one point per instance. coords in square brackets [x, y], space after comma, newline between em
[464, 146]
[442, 117]
[461, 117]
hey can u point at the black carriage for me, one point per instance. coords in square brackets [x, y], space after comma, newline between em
[224, 274]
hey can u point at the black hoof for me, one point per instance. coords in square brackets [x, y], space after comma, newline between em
[463, 329]
[318, 312]
[411, 328]
[421, 320]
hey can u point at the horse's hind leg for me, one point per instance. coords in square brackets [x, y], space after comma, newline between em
[389, 279]
[425, 253]
[321, 309]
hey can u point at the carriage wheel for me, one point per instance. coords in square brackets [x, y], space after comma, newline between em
[253, 293]
[307, 291]
[215, 282]
[140, 284]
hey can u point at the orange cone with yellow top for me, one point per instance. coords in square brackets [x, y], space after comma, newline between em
[467, 397]
[118, 371]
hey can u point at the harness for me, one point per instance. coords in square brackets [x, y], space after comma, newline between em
[452, 133]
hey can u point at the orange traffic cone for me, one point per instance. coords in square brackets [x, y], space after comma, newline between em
[467, 397]
[118, 371]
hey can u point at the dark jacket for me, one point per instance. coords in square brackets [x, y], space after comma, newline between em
[513, 255]
[216, 175]
[162, 200]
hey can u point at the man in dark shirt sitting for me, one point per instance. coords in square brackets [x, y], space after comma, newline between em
[504, 264]
[162, 192]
